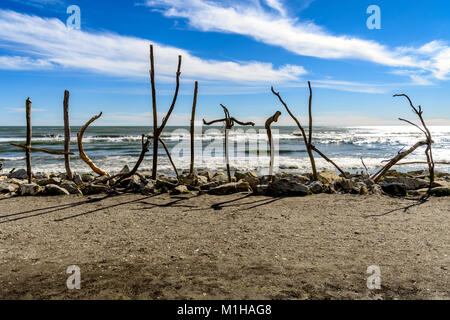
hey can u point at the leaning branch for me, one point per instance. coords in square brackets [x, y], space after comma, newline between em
[269, 122]
[83, 155]
[24, 147]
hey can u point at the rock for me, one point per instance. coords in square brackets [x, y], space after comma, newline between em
[327, 177]
[220, 177]
[375, 189]
[149, 188]
[209, 186]
[250, 177]
[394, 189]
[31, 189]
[207, 174]
[87, 178]
[441, 183]
[8, 187]
[230, 188]
[44, 182]
[316, 187]
[92, 189]
[19, 174]
[102, 180]
[18, 181]
[350, 186]
[54, 190]
[202, 180]
[301, 178]
[190, 180]
[364, 190]
[261, 189]
[71, 187]
[285, 186]
[409, 183]
[77, 179]
[181, 189]
[163, 184]
[440, 192]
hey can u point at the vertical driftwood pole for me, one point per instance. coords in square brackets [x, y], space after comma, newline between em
[194, 106]
[28, 145]
[155, 114]
[67, 135]
[313, 162]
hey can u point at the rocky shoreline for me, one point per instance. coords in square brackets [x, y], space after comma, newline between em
[205, 182]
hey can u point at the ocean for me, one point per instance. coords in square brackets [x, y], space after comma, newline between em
[111, 148]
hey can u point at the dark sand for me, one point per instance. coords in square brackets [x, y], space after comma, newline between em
[234, 247]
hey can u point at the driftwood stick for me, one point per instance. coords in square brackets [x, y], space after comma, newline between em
[157, 131]
[206, 123]
[307, 144]
[83, 155]
[170, 157]
[269, 122]
[376, 177]
[28, 143]
[417, 162]
[24, 147]
[310, 113]
[145, 148]
[194, 106]
[329, 160]
[364, 164]
[67, 135]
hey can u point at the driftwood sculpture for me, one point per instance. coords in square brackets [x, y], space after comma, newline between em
[83, 155]
[157, 131]
[269, 122]
[308, 140]
[229, 124]
[194, 106]
[28, 148]
[401, 155]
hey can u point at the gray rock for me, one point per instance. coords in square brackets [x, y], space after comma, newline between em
[288, 187]
[18, 181]
[165, 185]
[220, 177]
[350, 186]
[125, 170]
[31, 189]
[71, 187]
[316, 187]
[261, 189]
[87, 178]
[19, 174]
[77, 179]
[209, 186]
[92, 189]
[51, 180]
[181, 189]
[409, 183]
[8, 187]
[394, 189]
[230, 188]
[149, 188]
[54, 190]
[202, 180]
[207, 174]
[440, 192]
[327, 177]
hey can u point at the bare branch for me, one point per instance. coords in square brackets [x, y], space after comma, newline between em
[83, 155]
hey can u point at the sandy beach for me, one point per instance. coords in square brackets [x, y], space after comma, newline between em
[231, 247]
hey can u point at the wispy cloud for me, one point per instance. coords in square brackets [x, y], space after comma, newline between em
[50, 43]
[23, 63]
[305, 39]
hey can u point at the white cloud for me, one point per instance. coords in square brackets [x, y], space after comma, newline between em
[23, 63]
[305, 39]
[51, 43]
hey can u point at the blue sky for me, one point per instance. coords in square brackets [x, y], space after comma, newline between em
[236, 49]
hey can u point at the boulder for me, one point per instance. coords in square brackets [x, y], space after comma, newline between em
[77, 179]
[327, 177]
[88, 178]
[165, 185]
[288, 187]
[207, 174]
[31, 189]
[47, 181]
[440, 192]
[181, 189]
[8, 187]
[149, 188]
[71, 187]
[230, 188]
[251, 177]
[394, 189]
[316, 187]
[220, 177]
[202, 180]
[92, 189]
[409, 183]
[18, 181]
[54, 190]
[19, 174]
[125, 170]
